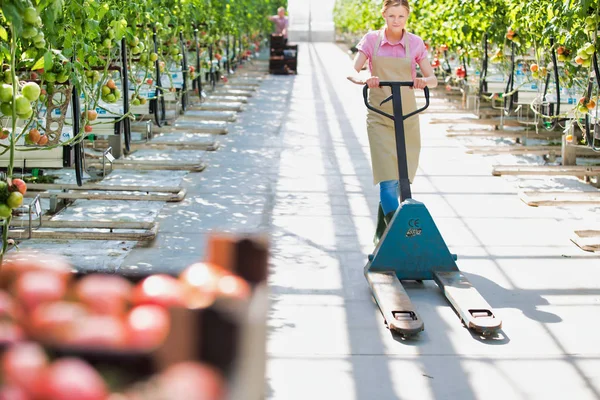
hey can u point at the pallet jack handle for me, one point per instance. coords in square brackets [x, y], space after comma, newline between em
[396, 97]
[396, 85]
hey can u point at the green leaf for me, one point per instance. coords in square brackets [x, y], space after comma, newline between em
[39, 64]
[48, 62]
[3, 34]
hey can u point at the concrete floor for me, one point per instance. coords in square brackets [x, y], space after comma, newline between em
[296, 165]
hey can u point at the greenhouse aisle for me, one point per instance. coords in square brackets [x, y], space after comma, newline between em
[296, 165]
[326, 337]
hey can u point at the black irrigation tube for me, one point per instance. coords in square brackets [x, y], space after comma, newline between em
[510, 84]
[484, 68]
[125, 80]
[77, 147]
[211, 70]
[589, 135]
[551, 111]
[158, 103]
[185, 72]
[447, 67]
[197, 83]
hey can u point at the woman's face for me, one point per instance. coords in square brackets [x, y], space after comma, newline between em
[395, 18]
[281, 13]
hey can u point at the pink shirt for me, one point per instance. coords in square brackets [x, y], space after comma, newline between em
[417, 49]
[280, 24]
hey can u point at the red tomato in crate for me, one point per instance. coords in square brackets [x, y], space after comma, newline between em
[23, 261]
[160, 289]
[53, 322]
[104, 294]
[71, 379]
[10, 332]
[98, 331]
[10, 392]
[35, 287]
[8, 308]
[201, 281]
[147, 326]
[192, 380]
[233, 286]
[23, 364]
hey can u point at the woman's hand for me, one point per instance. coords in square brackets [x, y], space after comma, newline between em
[420, 83]
[373, 82]
[356, 80]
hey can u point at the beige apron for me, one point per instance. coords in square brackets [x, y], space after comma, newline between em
[382, 139]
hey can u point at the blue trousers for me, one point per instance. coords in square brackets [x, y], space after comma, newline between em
[388, 194]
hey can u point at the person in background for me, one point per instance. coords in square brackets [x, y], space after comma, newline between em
[280, 21]
[392, 54]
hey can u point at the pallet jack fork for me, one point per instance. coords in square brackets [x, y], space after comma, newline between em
[412, 248]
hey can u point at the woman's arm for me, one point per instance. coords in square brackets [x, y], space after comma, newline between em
[359, 62]
[429, 79]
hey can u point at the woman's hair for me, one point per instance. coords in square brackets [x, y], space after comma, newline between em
[393, 3]
[281, 9]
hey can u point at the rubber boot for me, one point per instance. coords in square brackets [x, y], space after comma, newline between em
[381, 225]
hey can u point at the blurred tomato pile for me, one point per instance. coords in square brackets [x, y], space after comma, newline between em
[45, 305]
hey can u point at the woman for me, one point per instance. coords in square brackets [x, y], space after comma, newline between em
[281, 22]
[392, 54]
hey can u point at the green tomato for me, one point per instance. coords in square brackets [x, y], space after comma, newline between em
[6, 108]
[110, 98]
[135, 102]
[590, 49]
[5, 211]
[4, 193]
[40, 45]
[30, 16]
[107, 43]
[6, 93]
[27, 115]
[153, 57]
[23, 105]
[31, 91]
[582, 109]
[62, 78]
[29, 32]
[50, 77]
[105, 90]
[15, 199]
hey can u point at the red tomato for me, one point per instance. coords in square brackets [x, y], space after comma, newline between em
[192, 380]
[10, 332]
[201, 281]
[7, 306]
[23, 364]
[160, 289]
[19, 184]
[148, 326]
[53, 322]
[234, 286]
[10, 392]
[18, 262]
[35, 287]
[104, 331]
[72, 379]
[104, 294]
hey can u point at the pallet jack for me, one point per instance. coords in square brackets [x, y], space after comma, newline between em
[412, 248]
